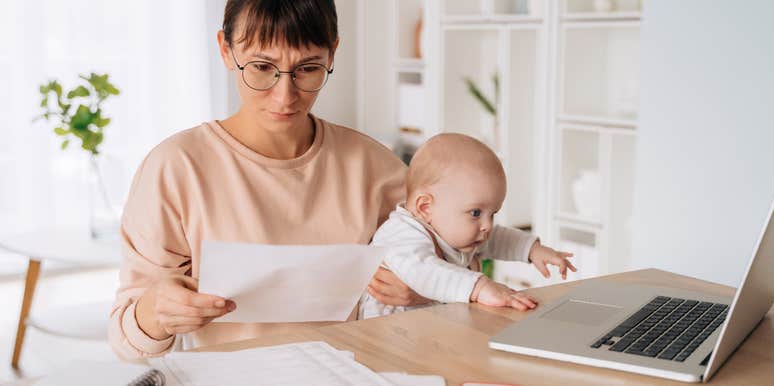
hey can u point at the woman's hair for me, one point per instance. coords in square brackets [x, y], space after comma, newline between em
[294, 22]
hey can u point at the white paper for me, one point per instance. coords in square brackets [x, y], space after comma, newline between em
[277, 283]
[402, 379]
[307, 363]
[91, 373]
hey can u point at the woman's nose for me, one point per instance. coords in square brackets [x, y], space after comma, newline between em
[284, 92]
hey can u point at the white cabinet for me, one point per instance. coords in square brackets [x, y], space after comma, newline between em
[566, 112]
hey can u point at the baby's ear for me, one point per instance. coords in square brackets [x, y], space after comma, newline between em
[424, 205]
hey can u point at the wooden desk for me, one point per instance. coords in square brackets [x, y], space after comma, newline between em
[451, 341]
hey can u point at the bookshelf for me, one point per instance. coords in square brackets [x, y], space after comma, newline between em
[566, 120]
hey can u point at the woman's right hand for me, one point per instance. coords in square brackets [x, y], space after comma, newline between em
[172, 306]
[387, 288]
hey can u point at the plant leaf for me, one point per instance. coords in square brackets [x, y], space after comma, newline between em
[79, 91]
[64, 144]
[102, 122]
[82, 118]
[476, 92]
[61, 131]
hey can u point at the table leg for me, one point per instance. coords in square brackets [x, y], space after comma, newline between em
[33, 268]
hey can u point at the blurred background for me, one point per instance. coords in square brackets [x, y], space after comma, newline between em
[635, 133]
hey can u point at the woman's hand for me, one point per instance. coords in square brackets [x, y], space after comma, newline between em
[387, 288]
[172, 306]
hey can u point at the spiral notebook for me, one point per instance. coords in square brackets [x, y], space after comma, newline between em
[84, 373]
[304, 363]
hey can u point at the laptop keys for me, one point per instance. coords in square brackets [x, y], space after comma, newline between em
[667, 328]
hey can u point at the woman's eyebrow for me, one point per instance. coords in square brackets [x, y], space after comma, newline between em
[270, 59]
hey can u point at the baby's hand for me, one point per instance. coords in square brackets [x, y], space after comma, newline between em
[492, 293]
[542, 255]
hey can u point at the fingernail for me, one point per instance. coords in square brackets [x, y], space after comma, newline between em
[231, 306]
[220, 303]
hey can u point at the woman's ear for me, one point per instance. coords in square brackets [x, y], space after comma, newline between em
[424, 207]
[333, 53]
[224, 47]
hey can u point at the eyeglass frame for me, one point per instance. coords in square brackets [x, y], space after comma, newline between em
[241, 68]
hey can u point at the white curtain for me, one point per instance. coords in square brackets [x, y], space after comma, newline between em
[163, 57]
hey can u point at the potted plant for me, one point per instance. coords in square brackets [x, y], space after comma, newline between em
[77, 114]
[488, 104]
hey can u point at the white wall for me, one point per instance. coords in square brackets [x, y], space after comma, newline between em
[336, 102]
[705, 166]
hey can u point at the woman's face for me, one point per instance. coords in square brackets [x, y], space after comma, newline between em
[282, 106]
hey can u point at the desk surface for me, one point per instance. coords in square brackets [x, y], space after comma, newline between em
[451, 341]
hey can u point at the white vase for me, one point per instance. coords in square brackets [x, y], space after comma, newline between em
[105, 205]
[586, 194]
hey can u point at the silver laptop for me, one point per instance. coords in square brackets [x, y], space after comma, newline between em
[663, 332]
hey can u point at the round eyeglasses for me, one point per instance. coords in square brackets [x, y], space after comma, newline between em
[260, 75]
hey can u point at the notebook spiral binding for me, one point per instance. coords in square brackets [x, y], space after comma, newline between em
[151, 378]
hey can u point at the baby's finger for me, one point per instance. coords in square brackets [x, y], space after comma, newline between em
[572, 267]
[541, 266]
[565, 254]
[526, 300]
[514, 302]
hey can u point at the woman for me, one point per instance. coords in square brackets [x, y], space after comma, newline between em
[272, 173]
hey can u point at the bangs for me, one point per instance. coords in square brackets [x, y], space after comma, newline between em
[296, 23]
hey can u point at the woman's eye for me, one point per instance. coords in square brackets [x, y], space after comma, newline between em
[263, 67]
[475, 213]
[308, 69]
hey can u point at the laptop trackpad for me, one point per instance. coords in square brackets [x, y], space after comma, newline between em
[576, 311]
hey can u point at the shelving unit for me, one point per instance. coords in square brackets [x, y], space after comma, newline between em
[592, 130]
[567, 104]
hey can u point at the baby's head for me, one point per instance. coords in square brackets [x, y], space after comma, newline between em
[456, 184]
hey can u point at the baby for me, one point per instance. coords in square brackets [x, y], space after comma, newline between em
[455, 185]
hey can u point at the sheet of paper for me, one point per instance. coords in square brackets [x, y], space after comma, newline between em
[275, 284]
[402, 379]
[307, 363]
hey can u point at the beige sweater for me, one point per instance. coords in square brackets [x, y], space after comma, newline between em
[202, 184]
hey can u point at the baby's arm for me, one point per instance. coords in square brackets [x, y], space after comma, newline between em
[507, 243]
[512, 244]
[411, 256]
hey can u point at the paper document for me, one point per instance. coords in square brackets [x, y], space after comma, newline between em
[308, 363]
[275, 284]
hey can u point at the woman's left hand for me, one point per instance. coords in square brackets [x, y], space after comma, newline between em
[387, 288]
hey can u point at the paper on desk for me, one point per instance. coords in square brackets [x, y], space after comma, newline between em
[277, 283]
[305, 363]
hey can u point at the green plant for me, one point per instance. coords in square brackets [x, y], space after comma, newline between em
[78, 112]
[489, 105]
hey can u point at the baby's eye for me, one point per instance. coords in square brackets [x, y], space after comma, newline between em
[475, 213]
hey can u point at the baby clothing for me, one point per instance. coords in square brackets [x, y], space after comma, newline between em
[412, 257]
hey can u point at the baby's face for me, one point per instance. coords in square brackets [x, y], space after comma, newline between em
[464, 206]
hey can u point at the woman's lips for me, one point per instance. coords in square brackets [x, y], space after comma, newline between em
[281, 116]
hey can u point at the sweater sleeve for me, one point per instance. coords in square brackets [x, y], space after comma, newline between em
[153, 247]
[412, 258]
[507, 243]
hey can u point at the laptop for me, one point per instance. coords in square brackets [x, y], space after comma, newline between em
[657, 331]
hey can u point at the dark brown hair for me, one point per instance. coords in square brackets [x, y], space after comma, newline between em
[295, 22]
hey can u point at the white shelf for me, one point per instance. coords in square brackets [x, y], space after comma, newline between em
[602, 16]
[409, 65]
[597, 124]
[573, 220]
[491, 19]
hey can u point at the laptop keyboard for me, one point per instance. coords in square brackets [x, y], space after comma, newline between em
[665, 328]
